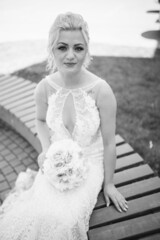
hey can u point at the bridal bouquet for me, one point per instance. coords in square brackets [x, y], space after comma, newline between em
[65, 166]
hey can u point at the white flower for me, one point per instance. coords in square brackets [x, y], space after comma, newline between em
[65, 166]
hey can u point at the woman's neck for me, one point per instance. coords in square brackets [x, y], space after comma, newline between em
[72, 79]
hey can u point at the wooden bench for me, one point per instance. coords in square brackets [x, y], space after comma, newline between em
[137, 182]
[17, 107]
[133, 177]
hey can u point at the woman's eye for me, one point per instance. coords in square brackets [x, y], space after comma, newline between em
[62, 48]
[79, 49]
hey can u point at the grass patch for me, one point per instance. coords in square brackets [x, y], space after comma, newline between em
[136, 84]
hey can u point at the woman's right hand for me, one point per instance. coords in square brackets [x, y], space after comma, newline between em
[41, 159]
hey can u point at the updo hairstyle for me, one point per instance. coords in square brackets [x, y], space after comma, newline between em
[68, 21]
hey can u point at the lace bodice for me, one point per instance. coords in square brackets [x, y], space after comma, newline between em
[87, 121]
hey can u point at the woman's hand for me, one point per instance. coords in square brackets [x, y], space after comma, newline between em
[111, 193]
[41, 159]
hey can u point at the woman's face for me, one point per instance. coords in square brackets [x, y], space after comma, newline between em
[70, 51]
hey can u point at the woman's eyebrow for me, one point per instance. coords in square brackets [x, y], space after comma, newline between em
[62, 43]
[77, 44]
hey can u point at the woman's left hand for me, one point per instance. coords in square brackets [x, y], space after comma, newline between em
[111, 193]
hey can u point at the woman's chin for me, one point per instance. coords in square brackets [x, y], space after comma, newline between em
[72, 69]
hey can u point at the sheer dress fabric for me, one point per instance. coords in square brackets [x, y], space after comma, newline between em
[35, 210]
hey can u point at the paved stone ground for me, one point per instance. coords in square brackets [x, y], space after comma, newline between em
[16, 155]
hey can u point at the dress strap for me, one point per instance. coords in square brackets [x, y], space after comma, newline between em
[52, 84]
[57, 87]
[90, 86]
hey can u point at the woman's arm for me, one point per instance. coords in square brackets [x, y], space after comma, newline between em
[41, 126]
[107, 108]
[43, 134]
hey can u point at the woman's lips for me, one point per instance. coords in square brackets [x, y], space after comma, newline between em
[69, 64]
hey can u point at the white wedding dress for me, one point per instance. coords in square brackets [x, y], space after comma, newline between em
[35, 210]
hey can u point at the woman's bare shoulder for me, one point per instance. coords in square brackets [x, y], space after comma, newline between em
[104, 89]
[41, 84]
[105, 93]
[41, 89]
[100, 83]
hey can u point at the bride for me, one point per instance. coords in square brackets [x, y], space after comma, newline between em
[73, 106]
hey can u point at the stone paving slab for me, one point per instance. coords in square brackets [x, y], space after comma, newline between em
[16, 155]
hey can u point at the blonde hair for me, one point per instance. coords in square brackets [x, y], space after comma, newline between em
[67, 21]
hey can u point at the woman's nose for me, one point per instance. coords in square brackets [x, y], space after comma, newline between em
[70, 54]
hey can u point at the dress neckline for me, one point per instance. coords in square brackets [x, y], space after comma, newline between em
[57, 86]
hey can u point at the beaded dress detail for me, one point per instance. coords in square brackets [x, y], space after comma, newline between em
[41, 212]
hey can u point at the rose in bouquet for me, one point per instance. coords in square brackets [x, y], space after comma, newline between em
[65, 166]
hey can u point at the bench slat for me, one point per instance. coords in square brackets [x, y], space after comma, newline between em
[30, 98]
[5, 80]
[33, 130]
[15, 93]
[18, 97]
[15, 87]
[11, 83]
[23, 106]
[136, 189]
[139, 206]
[128, 161]
[134, 228]
[123, 150]
[25, 112]
[134, 174]
[28, 117]
[119, 139]
[4, 77]
[30, 124]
